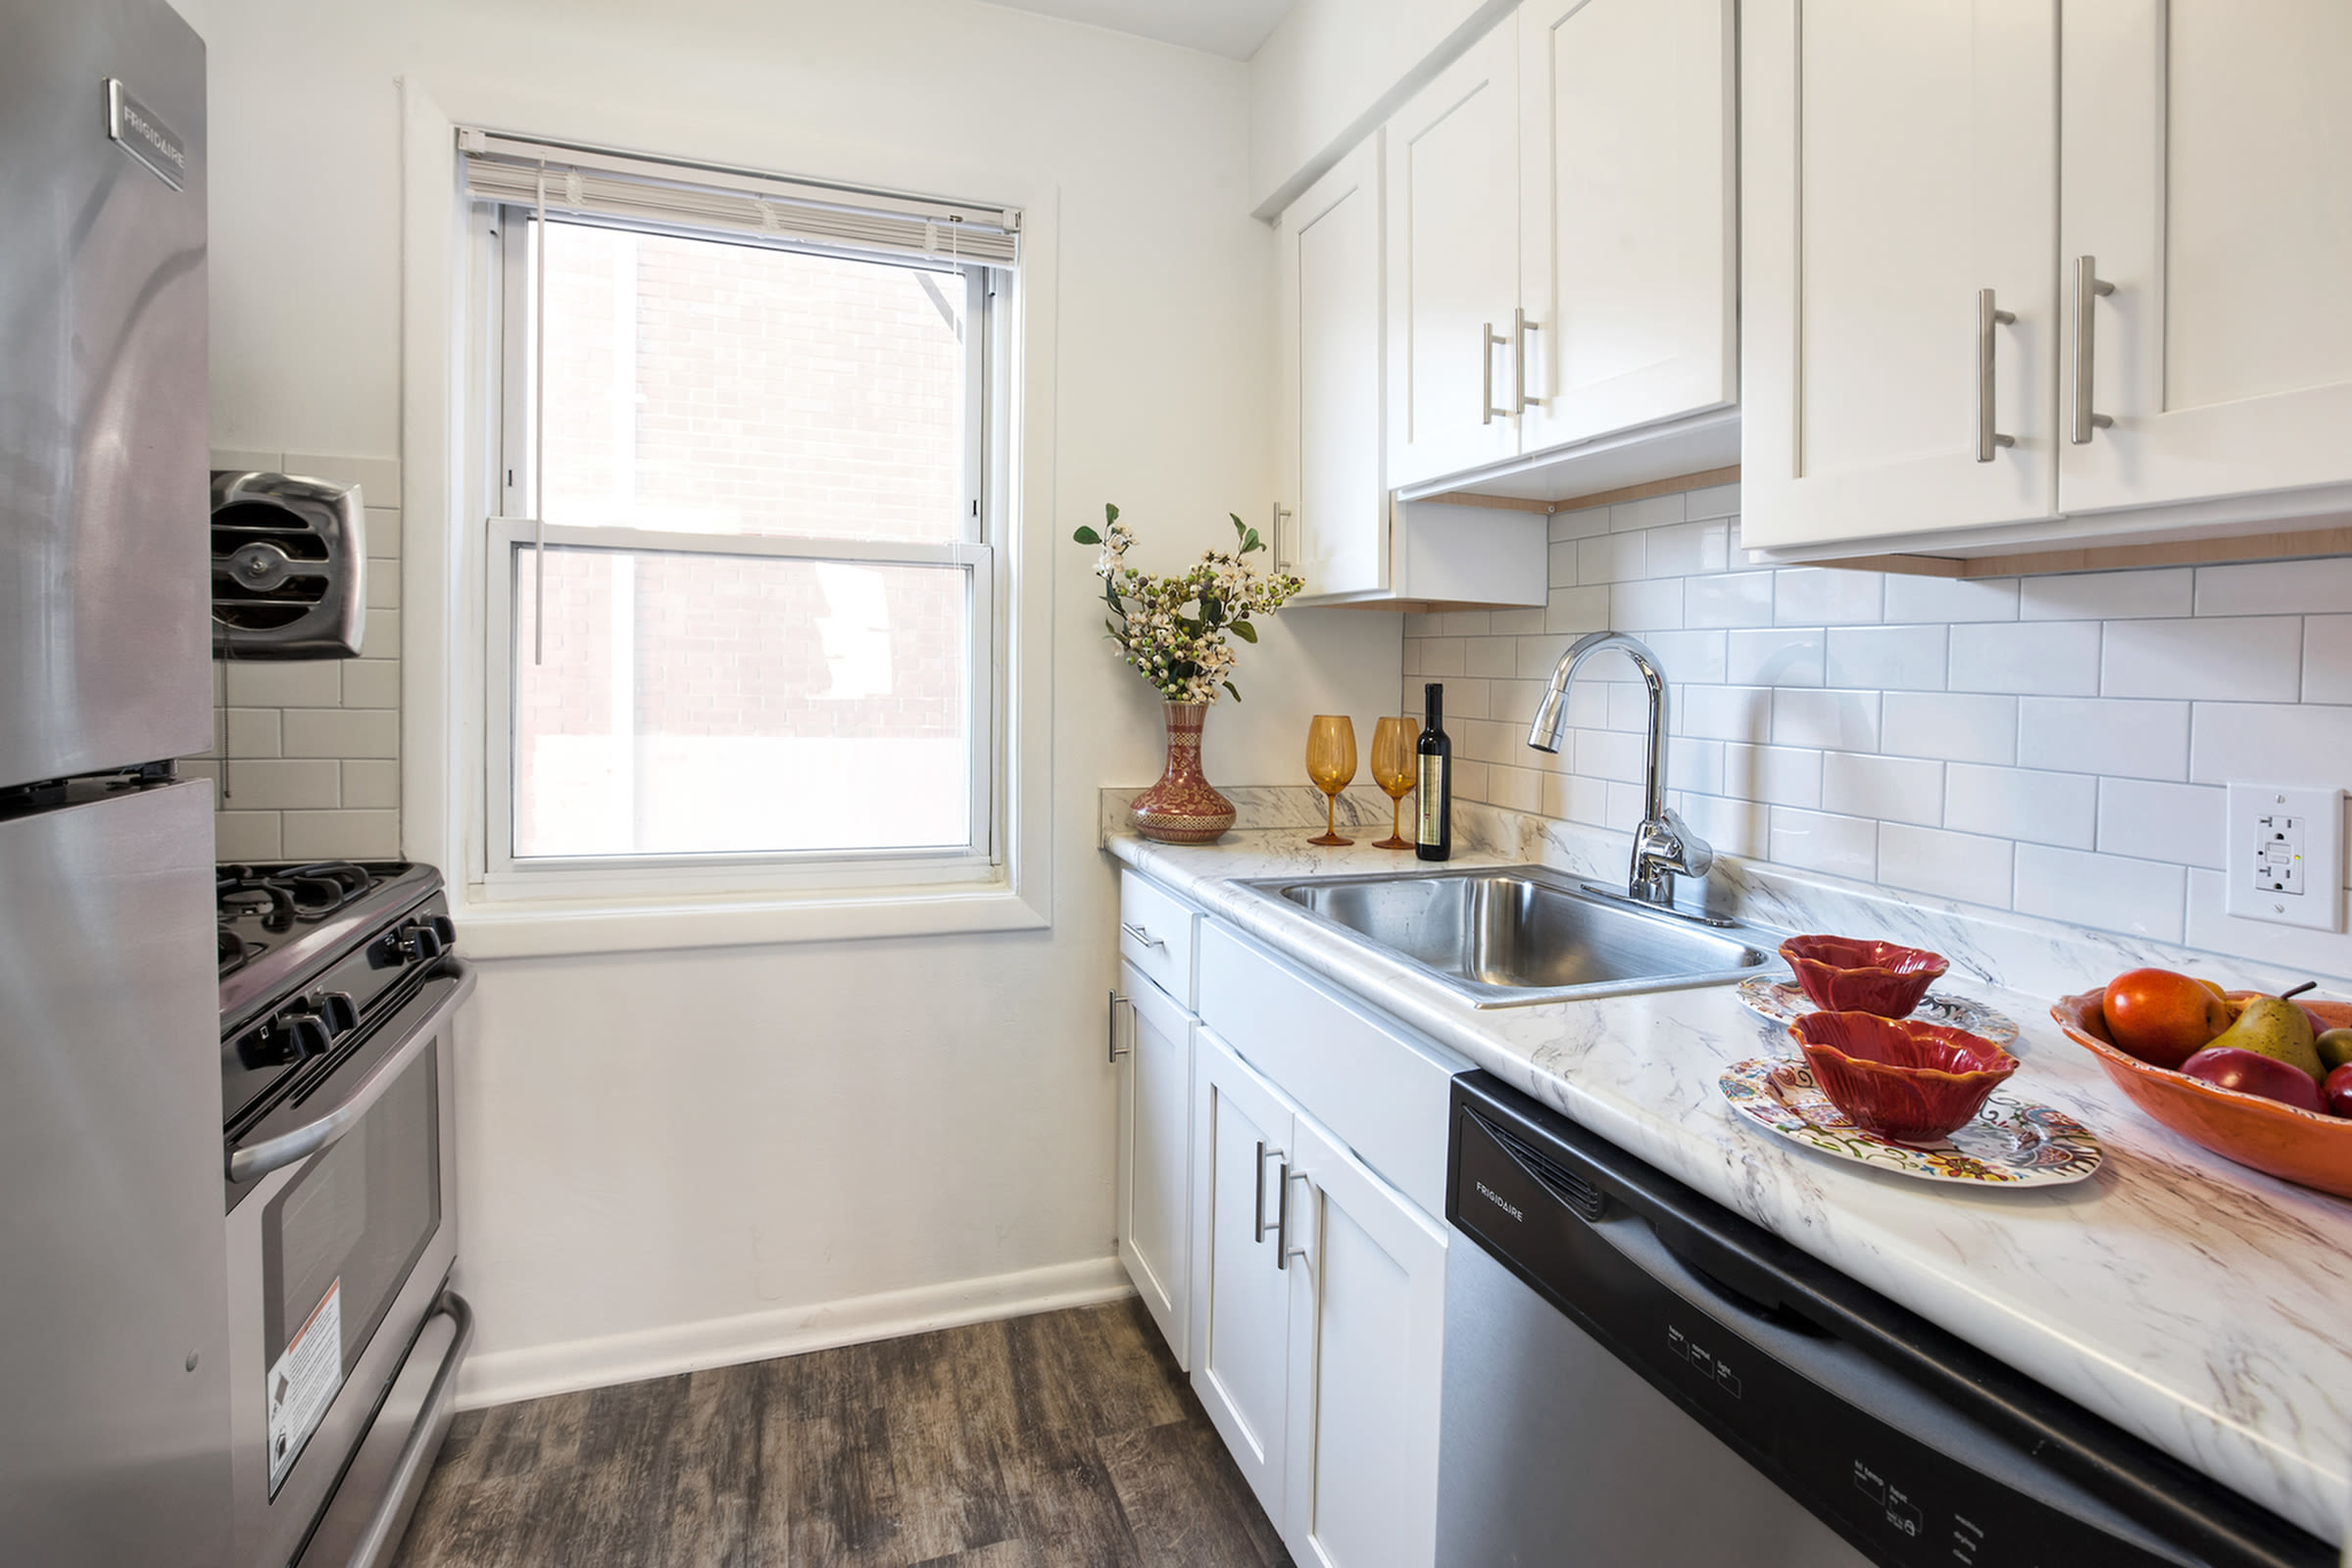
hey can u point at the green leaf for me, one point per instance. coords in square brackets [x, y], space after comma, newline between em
[1245, 631]
[1231, 687]
[1110, 596]
[1114, 634]
[1212, 611]
[1241, 530]
[1111, 513]
[1087, 536]
[1249, 542]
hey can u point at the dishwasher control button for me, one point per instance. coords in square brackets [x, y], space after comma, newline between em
[1727, 1379]
[1871, 1483]
[1903, 1513]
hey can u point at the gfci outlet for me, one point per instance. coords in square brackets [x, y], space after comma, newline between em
[2286, 855]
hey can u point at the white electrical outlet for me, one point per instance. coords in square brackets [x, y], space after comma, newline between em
[2286, 855]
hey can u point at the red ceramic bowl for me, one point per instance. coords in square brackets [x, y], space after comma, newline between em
[1841, 974]
[1911, 1081]
[2274, 1138]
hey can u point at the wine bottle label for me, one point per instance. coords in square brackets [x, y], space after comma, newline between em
[1433, 793]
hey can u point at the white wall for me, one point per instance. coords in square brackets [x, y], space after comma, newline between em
[655, 1144]
[1332, 70]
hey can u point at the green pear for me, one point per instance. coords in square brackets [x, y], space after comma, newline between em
[2335, 1048]
[2274, 1028]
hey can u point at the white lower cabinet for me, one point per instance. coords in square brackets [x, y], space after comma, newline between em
[1318, 1324]
[1155, 1151]
[1368, 1322]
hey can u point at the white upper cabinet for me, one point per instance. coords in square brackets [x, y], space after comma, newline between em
[2208, 175]
[1901, 299]
[1453, 265]
[1333, 530]
[1629, 222]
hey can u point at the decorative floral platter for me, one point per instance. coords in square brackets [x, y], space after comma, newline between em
[1782, 1002]
[2012, 1142]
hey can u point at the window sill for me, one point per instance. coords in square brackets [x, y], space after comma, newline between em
[538, 929]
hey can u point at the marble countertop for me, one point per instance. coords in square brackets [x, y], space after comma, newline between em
[2199, 1304]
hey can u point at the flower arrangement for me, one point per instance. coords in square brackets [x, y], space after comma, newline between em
[1184, 655]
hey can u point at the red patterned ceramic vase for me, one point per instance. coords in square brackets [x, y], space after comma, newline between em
[1183, 807]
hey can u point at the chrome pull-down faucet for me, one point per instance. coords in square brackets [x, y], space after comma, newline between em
[1664, 846]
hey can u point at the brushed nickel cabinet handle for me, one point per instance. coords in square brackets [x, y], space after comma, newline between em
[2088, 286]
[1486, 379]
[1520, 327]
[1280, 511]
[1110, 1031]
[1988, 316]
[1258, 1182]
[1141, 935]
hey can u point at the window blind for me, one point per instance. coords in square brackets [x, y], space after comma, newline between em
[587, 182]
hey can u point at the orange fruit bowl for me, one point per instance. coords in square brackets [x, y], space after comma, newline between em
[2276, 1138]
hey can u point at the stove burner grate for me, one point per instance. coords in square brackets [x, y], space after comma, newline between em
[282, 895]
[236, 953]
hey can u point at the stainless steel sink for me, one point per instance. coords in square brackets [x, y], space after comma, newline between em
[1514, 936]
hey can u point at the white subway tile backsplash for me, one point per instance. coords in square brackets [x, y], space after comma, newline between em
[275, 783]
[372, 683]
[2104, 735]
[299, 683]
[1650, 512]
[2267, 743]
[2250, 659]
[247, 835]
[2213, 927]
[2015, 803]
[2106, 595]
[381, 639]
[1830, 719]
[2275, 588]
[1776, 775]
[378, 478]
[2141, 896]
[342, 732]
[1464, 622]
[1649, 605]
[1730, 598]
[371, 784]
[380, 528]
[2327, 659]
[1726, 712]
[1609, 558]
[1842, 845]
[2050, 744]
[1890, 657]
[253, 731]
[2154, 822]
[316, 835]
[1949, 599]
[1891, 789]
[1953, 726]
[383, 584]
[1951, 866]
[1820, 596]
[2051, 657]
[1773, 656]
[1582, 523]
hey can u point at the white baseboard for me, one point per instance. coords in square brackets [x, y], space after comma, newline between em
[502, 1376]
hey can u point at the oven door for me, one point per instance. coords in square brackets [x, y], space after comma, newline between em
[339, 1239]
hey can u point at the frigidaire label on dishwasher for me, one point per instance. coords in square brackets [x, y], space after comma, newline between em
[303, 1383]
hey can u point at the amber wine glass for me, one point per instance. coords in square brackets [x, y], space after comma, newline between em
[1393, 766]
[1331, 763]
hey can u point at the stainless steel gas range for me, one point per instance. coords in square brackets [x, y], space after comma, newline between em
[338, 993]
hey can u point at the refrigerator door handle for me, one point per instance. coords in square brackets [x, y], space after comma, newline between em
[251, 1161]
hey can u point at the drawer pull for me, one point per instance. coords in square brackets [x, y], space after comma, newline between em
[1110, 1031]
[1141, 935]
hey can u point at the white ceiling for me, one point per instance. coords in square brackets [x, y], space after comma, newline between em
[1233, 29]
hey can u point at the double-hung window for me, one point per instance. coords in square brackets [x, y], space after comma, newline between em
[743, 594]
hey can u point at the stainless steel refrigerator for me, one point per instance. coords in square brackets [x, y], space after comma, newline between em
[113, 1409]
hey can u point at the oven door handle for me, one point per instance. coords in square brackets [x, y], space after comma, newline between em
[251, 1161]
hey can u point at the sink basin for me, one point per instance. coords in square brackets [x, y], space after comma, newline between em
[1514, 936]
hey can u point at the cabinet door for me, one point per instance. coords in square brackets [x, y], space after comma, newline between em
[1330, 243]
[1454, 264]
[1241, 1298]
[1367, 1340]
[2207, 174]
[1629, 265]
[1898, 161]
[1155, 1152]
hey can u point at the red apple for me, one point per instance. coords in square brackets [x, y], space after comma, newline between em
[2253, 1073]
[2162, 1018]
[2338, 1090]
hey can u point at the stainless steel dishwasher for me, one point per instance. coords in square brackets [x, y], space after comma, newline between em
[1637, 1377]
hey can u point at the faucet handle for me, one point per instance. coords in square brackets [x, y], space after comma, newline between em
[1692, 855]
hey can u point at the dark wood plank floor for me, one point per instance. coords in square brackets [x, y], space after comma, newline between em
[1064, 1437]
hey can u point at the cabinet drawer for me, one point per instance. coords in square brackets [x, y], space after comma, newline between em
[1155, 935]
[1380, 1092]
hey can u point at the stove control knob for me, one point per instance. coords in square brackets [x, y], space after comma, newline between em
[337, 1011]
[445, 928]
[418, 941]
[308, 1034]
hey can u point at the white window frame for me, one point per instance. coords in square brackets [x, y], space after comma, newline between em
[502, 318]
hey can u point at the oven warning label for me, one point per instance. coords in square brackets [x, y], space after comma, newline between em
[303, 1383]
